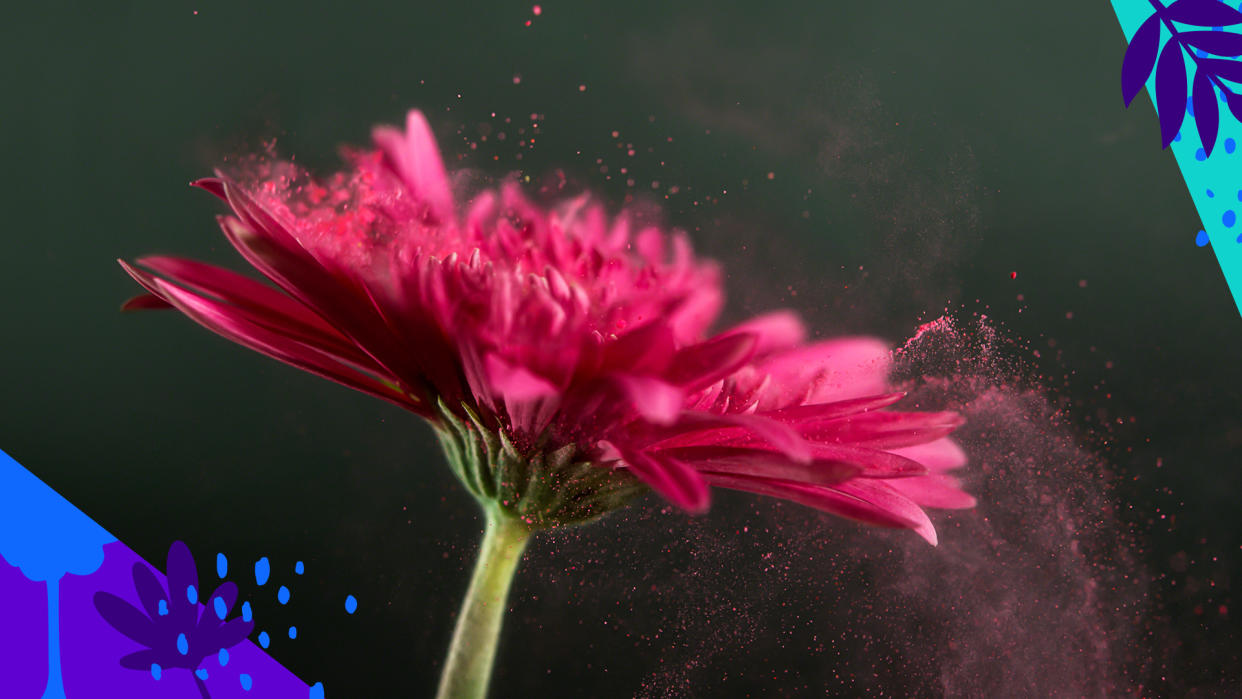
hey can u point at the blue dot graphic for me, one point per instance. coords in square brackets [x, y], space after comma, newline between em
[246, 682]
[246, 613]
[1201, 238]
[1211, 194]
[262, 571]
[163, 611]
[264, 639]
[222, 566]
[1200, 155]
[201, 673]
[221, 608]
[191, 593]
[1229, 218]
[1230, 145]
[282, 595]
[1177, 136]
[156, 671]
[293, 632]
[183, 646]
[1190, 105]
[351, 604]
[1240, 195]
[299, 568]
[223, 656]
[316, 691]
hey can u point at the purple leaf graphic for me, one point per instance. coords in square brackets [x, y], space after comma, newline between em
[1140, 58]
[1234, 101]
[1203, 13]
[1170, 91]
[1207, 111]
[1219, 43]
[1229, 70]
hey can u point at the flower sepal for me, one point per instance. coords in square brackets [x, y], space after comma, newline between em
[544, 488]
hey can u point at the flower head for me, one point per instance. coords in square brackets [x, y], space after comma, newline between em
[175, 630]
[562, 354]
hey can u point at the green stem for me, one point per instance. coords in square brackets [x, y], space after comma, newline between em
[469, 665]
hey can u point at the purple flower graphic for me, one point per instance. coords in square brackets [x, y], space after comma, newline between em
[176, 631]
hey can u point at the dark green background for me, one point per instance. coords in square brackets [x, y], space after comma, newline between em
[938, 146]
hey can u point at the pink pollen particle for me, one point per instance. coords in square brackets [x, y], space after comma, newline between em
[1013, 275]
[536, 10]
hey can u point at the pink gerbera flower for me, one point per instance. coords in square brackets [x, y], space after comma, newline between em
[561, 355]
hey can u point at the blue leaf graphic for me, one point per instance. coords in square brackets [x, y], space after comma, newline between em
[1140, 58]
[1207, 112]
[1229, 70]
[1203, 13]
[1170, 91]
[1218, 43]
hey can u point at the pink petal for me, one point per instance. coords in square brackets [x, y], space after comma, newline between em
[143, 302]
[762, 463]
[699, 366]
[647, 349]
[416, 158]
[220, 319]
[935, 490]
[775, 331]
[211, 184]
[877, 506]
[242, 291]
[883, 429]
[697, 428]
[516, 382]
[939, 455]
[339, 301]
[655, 400]
[677, 482]
[818, 412]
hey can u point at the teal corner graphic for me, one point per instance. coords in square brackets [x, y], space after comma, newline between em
[1215, 181]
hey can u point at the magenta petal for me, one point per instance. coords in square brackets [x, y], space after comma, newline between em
[939, 455]
[339, 301]
[676, 481]
[515, 382]
[701, 365]
[644, 350]
[762, 464]
[416, 158]
[143, 302]
[211, 184]
[217, 318]
[773, 331]
[884, 429]
[655, 400]
[866, 504]
[831, 411]
[696, 428]
[235, 288]
[319, 336]
[883, 498]
[935, 490]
